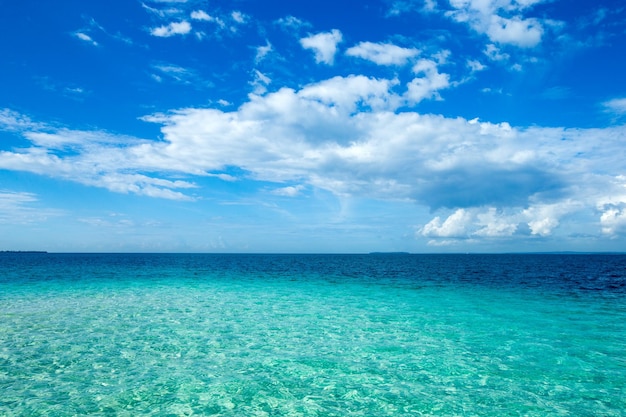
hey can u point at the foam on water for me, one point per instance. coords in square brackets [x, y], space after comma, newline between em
[308, 336]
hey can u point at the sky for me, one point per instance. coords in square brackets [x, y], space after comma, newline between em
[313, 126]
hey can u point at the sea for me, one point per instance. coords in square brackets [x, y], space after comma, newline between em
[312, 335]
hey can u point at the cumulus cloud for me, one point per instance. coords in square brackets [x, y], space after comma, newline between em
[612, 207]
[488, 222]
[613, 220]
[454, 226]
[516, 31]
[347, 136]
[501, 20]
[428, 84]
[382, 53]
[542, 219]
[201, 15]
[324, 45]
[493, 224]
[172, 29]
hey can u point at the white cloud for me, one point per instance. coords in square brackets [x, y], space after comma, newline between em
[402, 6]
[260, 82]
[13, 121]
[430, 5]
[542, 219]
[612, 207]
[493, 224]
[494, 53]
[262, 51]
[475, 65]
[347, 94]
[324, 45]
[18, 208]
[616, 106]
[382, 53]
[180, 75]
[543, 224]
[291, 23]
[501, 20]
[515, 31]
[345, 135]
[86, 38]
[469, 224]
[164, 13]
[174, 72]
[291, 191]
[174, 28]
[428, 85]
[201, 15]
[239, 17]
[613, 220]
[11, 199]
[64, 138]
[455, 226]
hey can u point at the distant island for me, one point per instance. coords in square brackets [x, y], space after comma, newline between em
[389, 253]
[23, 251]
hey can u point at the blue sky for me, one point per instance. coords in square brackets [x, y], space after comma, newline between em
[285, 126]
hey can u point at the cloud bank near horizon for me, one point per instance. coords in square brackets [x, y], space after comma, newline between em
[345, 135]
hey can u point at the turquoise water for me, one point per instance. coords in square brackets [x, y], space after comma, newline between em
[312, 335]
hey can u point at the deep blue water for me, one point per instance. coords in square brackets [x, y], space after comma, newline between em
[312, 335]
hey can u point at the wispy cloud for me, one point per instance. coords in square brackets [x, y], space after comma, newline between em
[18, 207]
[382, 53]
[260, 82]
[180, 75]
[11, 120]
[616, 106]
[85, 38]
[495, 54]
[291, 23]
[398, 7]
[290, 191]
[262, 51]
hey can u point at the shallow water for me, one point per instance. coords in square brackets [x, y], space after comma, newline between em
[312, 335]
